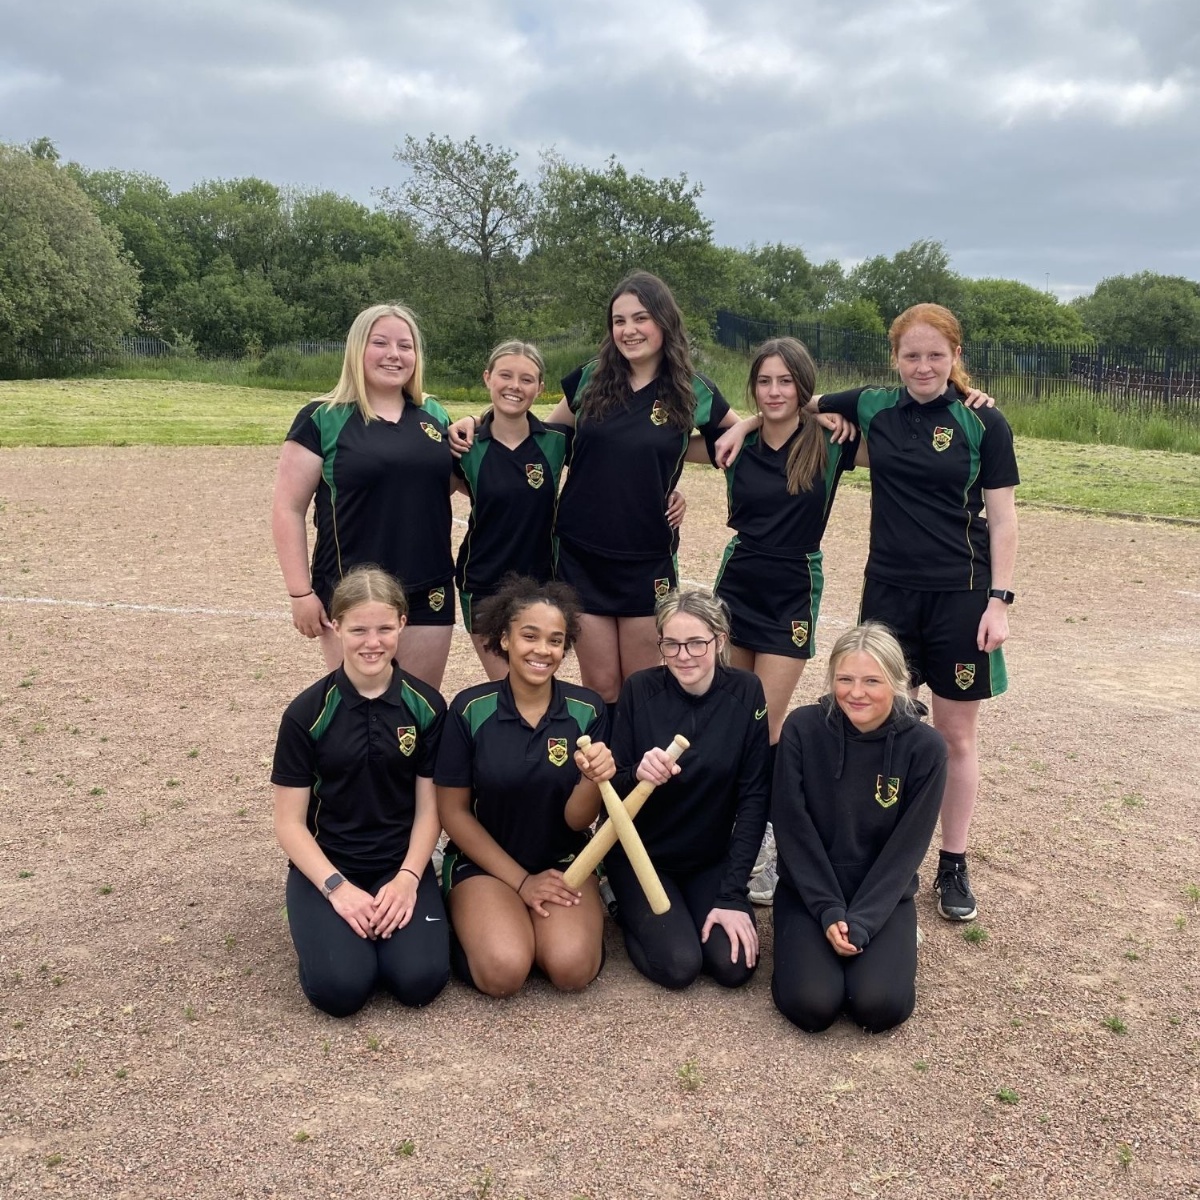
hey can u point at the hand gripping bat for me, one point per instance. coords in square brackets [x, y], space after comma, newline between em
[589, 857]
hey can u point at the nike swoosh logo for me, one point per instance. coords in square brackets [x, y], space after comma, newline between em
[433, 918]
[762, 712]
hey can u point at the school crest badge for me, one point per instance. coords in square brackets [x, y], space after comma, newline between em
[534, 475]
[964, 675]
[799, 634]
[941, 437]
[887, 797]
[407, 736]
[437, 599]
[431, 431]
[556, 750]
[658, 414]
[661, 588]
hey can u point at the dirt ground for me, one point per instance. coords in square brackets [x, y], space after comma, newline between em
[154, 1041]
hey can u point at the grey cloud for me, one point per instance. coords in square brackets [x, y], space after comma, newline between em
[1032, 137]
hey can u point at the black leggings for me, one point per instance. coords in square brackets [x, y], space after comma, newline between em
[813, 984]
[339, 970]
[668, 949]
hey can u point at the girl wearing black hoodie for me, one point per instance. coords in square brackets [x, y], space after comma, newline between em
[857, 790]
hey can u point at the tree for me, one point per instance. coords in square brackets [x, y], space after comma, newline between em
[138, 207]
[1004, 310]
[472, 200]
[918, 275]
[334, 256]
[1144, 311]
[62, 273]
[596, 226]
[239, 220]
[228, 311]
[778, 283]
[859, 315]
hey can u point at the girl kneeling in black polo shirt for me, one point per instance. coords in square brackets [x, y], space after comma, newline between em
[703, 824]
[356, 813]
[516, 799]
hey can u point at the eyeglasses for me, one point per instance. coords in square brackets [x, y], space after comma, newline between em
[696, 647]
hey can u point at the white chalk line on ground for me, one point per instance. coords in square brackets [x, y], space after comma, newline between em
[122, 606]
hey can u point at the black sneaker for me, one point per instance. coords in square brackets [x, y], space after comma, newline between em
[956, 901]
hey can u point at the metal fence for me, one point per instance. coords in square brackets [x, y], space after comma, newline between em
[1164, 380]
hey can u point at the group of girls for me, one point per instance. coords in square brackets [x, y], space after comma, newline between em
[498, 770]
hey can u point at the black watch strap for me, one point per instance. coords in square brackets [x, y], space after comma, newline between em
[1001, 594]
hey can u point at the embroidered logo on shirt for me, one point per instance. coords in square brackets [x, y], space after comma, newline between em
[407, 735]
[893, 791]
[661, 588]
[799, 634]
[534, 475]
[759, 713]
[941, 437]
[431, 431]
[658, 414]
[964, 675]
[437, 599]
[556, 750]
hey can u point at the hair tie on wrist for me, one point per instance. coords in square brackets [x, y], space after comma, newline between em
[411, 872]
[522, 883]
[302, 594]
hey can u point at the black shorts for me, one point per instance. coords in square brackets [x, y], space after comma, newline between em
[939, 633]
[469, 602]
[456, 867]
[431, 605]
[773, 602]
[426, 606]
[615, 587]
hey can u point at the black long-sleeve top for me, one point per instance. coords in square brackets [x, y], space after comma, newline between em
[715, 809]
[854, 813]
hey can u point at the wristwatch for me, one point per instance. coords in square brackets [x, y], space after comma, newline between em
[1001, 594]
[331, 885]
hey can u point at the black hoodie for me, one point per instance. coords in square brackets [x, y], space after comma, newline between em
[854, 813]
[715, 809]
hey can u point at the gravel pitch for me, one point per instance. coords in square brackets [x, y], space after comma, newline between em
[154, 1041]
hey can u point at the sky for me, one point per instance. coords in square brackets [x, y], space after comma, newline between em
[1052, 141]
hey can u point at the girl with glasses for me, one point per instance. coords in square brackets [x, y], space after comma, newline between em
[703, 824]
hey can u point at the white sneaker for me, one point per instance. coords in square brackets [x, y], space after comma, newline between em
[439, 853]
[763, 885]
[766, 852]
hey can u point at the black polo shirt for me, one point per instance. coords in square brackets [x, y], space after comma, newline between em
[513, 496]
[930, 465]
[384, 493]
[520, 778]
[767, 518]
[361, 758]
[715, 809]
[623, 467]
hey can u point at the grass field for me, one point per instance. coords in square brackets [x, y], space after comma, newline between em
[115, 412]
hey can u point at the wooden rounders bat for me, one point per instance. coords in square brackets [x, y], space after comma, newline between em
[631, 843]
[588, 859]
